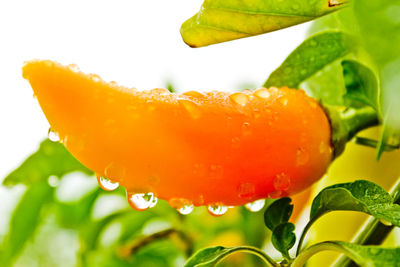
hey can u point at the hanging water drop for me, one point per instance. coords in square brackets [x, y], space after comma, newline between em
[142, 201]
[187, 209]
[53, 136]
[255, 205]
[107, 184]
[217, 210]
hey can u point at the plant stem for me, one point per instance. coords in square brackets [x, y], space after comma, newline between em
[255, 251]
[374, 144]
[302, 258]
[303, 236]
[373, 232]
[347, 122]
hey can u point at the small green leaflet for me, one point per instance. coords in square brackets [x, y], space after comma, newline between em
[210, 257]
[362, 195]
[278, 212]
[276, 218]
[366, 256]
[311, 56]
[361, 84]
[50, 159]
[224, 20]
[283, 238]
[24, 221]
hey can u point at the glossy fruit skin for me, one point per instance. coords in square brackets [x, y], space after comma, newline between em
[213, 148]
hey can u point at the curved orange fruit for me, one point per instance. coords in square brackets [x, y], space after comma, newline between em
[215, 148]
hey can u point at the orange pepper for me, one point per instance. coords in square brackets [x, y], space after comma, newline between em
[215, 148]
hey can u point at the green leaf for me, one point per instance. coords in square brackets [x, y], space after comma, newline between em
[363, 196]
[224, 20]
[283, 238]
[278, 212]
[380, 33]
[361, 84]
[50, 159]
[76, 213]
[311, 56]
[25, 220]
[209, 257]
[367, 256]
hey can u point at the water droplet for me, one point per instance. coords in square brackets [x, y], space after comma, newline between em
[198, 201]
[107, 184]
[217, 210]
[324, 147]
[246, 129]
[255, 206]
[194, 94]
[282, 182]
[53, 136]
[53, 181]
[160, 91]
[262, 93]
[185, 209]
[246, 190]
[302, 156]
[312, 103]
[275, 194]
[142, 201]
[114, 170]
[385, 222]
[191, 107]
[239, 98]
[95, 77]
[74, 68]
[283, 101]
[235, 142]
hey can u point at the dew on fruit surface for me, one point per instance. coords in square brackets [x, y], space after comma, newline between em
[281, 182]
[53, 136]
[235, 142]
[194, 94]
[191, 107]
[115, 170]
[239, 98]
[302, 157]
[106, 184]
[246, 128]
[275, 194]
[95, 77]
[160, 91]
[284, 101]
[74, 68]
[142, 201]
[324, 147]
[185, 210]
[217, 210]
[246, 190]
[255, 205]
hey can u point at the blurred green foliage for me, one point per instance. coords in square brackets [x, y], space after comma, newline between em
[103, 230]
